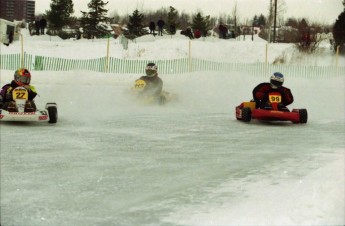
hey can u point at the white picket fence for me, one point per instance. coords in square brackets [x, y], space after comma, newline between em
[172, 66]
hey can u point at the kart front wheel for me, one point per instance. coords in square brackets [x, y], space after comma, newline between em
[246, 114]
[53, 114]
[303, 115]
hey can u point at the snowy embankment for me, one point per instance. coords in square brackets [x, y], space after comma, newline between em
[240, 50]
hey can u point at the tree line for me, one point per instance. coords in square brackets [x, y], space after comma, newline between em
[93, 20]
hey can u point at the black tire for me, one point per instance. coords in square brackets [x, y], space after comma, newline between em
[246, 114]
[303, 115]
[53, 114]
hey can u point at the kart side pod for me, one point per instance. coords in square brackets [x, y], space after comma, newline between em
[244, 111]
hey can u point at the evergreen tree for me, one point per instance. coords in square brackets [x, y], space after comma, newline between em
[59, 15]
[201, 23]
[302, 26]
[255, 20]
[172, 18]
[339, 32]
[135, 25]
[261, 20]
[92, 21]
[292, 22]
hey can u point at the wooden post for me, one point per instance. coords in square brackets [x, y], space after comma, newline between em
[190, 56]
[275, 21]
[337, 56]
[266, 53]
[22, 48]
[107, 59]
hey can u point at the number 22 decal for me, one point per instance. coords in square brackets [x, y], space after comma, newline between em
[20, 94]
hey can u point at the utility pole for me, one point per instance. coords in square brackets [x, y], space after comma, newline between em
[270, 23]
[253, 30]
[235, 28]
[275, 21]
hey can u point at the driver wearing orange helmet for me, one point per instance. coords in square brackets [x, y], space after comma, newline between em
[22, 77]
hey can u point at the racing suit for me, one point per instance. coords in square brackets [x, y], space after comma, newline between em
[261, 91]
[6, 94]
[154, 85]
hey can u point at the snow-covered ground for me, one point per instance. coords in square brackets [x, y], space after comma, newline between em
[110, 162]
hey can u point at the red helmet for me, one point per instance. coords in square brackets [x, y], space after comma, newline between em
[22, 76]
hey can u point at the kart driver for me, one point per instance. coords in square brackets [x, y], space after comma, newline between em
[152, 85]
[22, 78]
[261, 91]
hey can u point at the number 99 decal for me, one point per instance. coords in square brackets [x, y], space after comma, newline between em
[275, 98]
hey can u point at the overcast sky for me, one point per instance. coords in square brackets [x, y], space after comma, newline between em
[323, 11]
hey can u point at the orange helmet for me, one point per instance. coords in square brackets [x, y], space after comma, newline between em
[22, 76]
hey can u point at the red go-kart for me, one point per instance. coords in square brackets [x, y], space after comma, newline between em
[248, 110]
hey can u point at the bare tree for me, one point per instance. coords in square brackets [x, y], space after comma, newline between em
[270, 20]
[114, 17]
[236, 18]
[277, 12]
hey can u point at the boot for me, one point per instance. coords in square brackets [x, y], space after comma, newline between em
[10, 106]
[30, 106]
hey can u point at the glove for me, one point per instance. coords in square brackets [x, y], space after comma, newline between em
[266, 105]
[282, 107]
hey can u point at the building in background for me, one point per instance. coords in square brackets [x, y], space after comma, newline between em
[17, 10]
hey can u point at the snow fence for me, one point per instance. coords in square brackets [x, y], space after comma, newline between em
[173, 66]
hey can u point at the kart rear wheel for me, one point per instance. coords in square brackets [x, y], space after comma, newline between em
[53, 114]
[161, 100]
[303, 115]
[246, 114]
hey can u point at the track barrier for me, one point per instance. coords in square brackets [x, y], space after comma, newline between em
[171, 66]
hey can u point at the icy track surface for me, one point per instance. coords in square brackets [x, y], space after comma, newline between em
[109, 161]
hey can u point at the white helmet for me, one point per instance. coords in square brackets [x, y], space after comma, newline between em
[151, 69]
[277, 80]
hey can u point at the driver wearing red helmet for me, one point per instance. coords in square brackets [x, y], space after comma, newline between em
[261, 91]
[22, 78]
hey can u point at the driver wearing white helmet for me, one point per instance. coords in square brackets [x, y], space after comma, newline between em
[153, 83]
[150, 86]
[261, 91]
